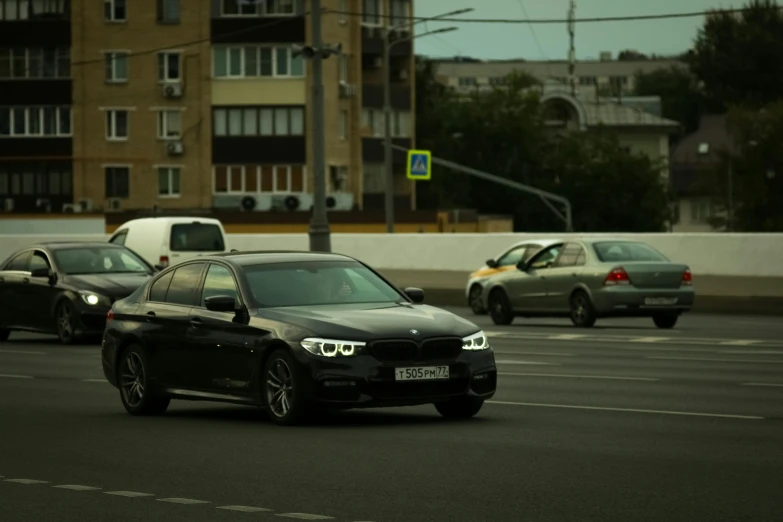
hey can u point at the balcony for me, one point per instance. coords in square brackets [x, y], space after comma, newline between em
[40, 91]
[251, 30]
[372, 96]
[258, 150]
[38, 24]
[372, 43]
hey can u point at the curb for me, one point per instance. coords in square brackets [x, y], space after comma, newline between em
[705, 304]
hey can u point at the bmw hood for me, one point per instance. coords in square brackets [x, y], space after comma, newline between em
[117, 286]
[366, 322]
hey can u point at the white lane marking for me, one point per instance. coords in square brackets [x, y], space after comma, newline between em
[489, 333]
[528, 362]
[10, 376]
[177, 500]
[574, 376]
[739, 342]
[94, 380]
[648, 339]
[23, 352]
[567, 337]
[244, 509]
[27, 481]
[304, 516]
[771, 385]
[547, 354]
[752, 352]
[629, 410]
[129, 494]
[76, 487]
[750, 361]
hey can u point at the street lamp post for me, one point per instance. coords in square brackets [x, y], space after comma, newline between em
[387, 110]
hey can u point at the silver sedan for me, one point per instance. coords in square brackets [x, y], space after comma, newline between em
[590, 279]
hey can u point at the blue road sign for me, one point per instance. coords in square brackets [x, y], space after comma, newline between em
[419, 164]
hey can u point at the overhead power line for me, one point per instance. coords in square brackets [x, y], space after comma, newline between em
[692, 14]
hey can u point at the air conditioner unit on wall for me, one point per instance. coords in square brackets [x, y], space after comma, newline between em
[172, 90]
[113, 205]
[175, 148]
[8, 205]
[70, 208]
[347, 90]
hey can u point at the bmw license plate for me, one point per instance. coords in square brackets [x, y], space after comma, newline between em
[421, 373]
[660, 301]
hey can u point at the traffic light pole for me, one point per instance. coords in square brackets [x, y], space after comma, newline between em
[320, 236]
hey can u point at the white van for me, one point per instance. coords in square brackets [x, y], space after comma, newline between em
[165, 241]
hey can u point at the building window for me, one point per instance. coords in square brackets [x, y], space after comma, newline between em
[117, 179]
[269, 179]
[34, 62]
[466, 81]
[342, 8]
[701, 210]
[254, 61]
[338, 178]
[169, 182]
[497, 81]
[115, 11]
[400, 14]
[40, 179]
[169, 11]
[587, 80]
[401, 125]
[277, 121]
[14, 10]
[373, 121]
[116, 125]
[169, 124]
[342, 68]
[259, 8]
[45, 8]
[169, 67]
[30, 122]
[342, 125]
[117, 67]
[371, 12]
[374, 180]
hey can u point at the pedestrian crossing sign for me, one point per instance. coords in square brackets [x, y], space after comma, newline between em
[419, 164]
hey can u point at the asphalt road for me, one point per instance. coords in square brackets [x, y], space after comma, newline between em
[625, 423]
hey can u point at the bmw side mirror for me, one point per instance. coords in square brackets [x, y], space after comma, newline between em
[41, 272]
[416, 294]
[220, 303]
[522, 265]
[492, 263]
[158, 267]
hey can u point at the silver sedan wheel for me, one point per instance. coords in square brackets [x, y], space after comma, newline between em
[279, 388]
[133, 380]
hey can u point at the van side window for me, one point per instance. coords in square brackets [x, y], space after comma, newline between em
[120, 238]
[196, 237]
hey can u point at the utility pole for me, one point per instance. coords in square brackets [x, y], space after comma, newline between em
[320, 238]
[387, 139]
[572, 46]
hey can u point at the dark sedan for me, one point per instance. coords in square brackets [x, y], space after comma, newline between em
[291, 332]
[66, 288]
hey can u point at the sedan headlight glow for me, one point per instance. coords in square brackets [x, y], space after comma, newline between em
[93, 299]
[332, 347]
[477, 341]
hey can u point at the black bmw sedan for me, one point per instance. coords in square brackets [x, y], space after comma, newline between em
[291, 332]
[66, 288]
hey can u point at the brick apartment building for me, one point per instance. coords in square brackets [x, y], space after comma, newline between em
[114, 105]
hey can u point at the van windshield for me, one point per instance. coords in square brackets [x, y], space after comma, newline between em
[196, 237]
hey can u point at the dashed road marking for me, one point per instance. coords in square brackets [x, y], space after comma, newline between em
[26, 481]
[574, 376]
[648, 339]
[304, 516]
[629, 410]
[95, 380]
[739, 342]
[534, 363]
[10, 376]
[771, 385]
[545, 354]
[23, 352]
[750, 361]
[752, 352]
[177, 500]
[76, 487]
[567, 337]
[129, 494]
[244, 509]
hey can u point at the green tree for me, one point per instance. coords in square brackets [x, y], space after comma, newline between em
[681, 99]
[752, 175]
[737, 57]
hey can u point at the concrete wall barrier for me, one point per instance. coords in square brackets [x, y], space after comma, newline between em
[759, 255]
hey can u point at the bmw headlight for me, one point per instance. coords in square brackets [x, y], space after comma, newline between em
[332, 347]
[477, 341]
[93, 299]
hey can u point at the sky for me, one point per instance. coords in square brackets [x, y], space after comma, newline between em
[504, 41]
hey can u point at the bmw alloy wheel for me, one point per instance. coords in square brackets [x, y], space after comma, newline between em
[133, 380]
[65, 328]
[279, 388]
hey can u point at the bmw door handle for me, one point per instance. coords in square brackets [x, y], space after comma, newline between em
[25, 281]
[150, 316]
[196, 322]
[2, 280]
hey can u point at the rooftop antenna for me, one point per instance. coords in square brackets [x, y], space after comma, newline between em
[572, 48]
